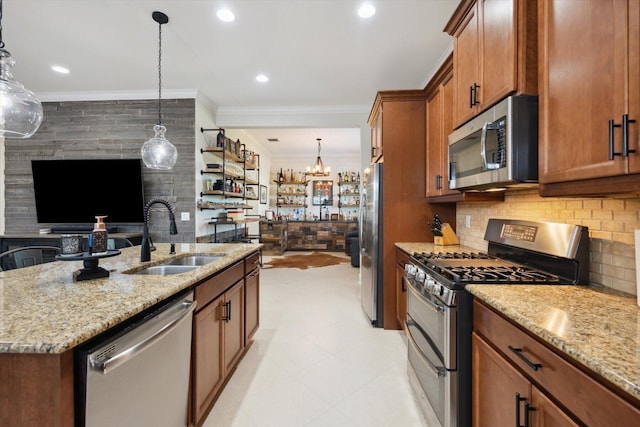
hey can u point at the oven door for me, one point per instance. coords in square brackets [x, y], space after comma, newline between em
[434, 387]
[432, 325]
[431, 329]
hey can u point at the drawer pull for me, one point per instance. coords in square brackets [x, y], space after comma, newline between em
[518, 352]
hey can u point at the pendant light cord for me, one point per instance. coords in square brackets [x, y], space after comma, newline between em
[159, 72]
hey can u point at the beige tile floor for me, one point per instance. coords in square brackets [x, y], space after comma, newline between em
[316, 361]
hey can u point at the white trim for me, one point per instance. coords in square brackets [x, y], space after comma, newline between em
[295, 110]
[334, 116]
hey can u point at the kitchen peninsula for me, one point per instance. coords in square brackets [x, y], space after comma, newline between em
[46, 316]
[278, 236]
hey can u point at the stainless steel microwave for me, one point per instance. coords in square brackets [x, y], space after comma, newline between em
[498, 148]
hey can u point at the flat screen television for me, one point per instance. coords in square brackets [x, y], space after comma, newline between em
[75, 191]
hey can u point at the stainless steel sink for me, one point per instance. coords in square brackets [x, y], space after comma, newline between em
[179, 265]
[165, 270]
[196, 260]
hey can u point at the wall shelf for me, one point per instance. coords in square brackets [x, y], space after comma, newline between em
[232, 172]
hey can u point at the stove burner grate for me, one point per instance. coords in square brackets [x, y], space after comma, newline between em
[515, 274]
[423, 256]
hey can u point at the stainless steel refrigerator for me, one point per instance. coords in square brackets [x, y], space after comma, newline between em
[371, 262]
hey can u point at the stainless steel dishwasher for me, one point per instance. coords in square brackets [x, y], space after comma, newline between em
[140, 375]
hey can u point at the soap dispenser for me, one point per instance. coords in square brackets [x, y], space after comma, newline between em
[99, 236]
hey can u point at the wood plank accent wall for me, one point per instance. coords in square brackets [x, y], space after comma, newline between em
[106, 129]
[318, 235]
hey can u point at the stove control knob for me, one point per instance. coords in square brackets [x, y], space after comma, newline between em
[420, 276]
[411, 270]
[429, 284]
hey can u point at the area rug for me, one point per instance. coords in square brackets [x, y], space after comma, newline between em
[304, 261]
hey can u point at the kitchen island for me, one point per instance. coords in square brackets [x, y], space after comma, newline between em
[44, 315]
[594, 328]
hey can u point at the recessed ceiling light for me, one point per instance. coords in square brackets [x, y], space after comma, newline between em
[225, 15]
[366, 10]
[60, 69]
[262, 78]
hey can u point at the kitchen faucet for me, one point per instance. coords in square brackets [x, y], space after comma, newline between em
[147, 245]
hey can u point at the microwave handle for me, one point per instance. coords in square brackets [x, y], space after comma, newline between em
[483, 144]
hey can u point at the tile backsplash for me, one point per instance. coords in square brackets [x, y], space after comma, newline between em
[611, 223]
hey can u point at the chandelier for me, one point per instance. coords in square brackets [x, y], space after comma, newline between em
[158, 152]
[318, 168]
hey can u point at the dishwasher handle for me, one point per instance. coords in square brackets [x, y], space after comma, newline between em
[174, 315]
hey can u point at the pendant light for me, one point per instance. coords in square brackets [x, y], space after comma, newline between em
[158, 152]
[318, 168]
[20, 110]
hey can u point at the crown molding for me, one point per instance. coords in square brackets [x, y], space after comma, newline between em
[293, 116]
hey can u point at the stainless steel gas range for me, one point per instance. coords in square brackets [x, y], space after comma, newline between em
[440, 313]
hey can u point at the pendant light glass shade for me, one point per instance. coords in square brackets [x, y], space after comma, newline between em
[20, 110]
[158, 152]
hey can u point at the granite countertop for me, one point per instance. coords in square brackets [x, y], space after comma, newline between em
[42, 310]
[597, 327]
[411, 247]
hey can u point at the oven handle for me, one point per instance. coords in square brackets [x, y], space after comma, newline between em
[435, 307]
[435, 370]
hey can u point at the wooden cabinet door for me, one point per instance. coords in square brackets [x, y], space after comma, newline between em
[582, 75]
[634, 85]
[207, 372]
[376, 137]
[439, 126]
[497, 49]
[494, 386]
[233, 321]
[447, 90]
[465, 64]
[252, 304]
[435, 145]
[546, 413]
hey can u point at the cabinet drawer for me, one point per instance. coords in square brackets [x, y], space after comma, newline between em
[251, 262]
[216, 285]
[581, 394]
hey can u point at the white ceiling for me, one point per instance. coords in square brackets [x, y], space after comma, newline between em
[319, 55]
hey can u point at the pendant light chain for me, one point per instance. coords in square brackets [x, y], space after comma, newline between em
[1, 42]
[159, 73]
